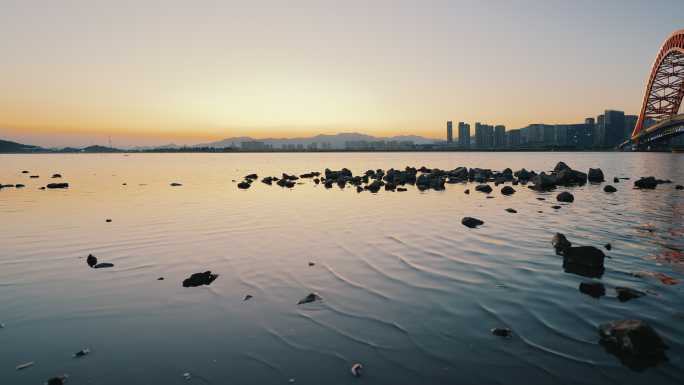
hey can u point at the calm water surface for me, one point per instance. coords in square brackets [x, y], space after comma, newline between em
[407, 290]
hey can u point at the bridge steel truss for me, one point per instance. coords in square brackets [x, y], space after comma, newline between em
[665, 87]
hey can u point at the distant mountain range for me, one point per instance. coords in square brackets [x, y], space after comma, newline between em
[336, 141]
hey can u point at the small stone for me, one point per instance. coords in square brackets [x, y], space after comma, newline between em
[311, 263]
[512, 211]
[484, 188]
[356, 369]
[108, 220]
[502, 332]
[160, 279]
[309, 298]
[625, 294]
[616, 180]
[91, 260]
[199, 279]
[471, 222]
[565, 197]
[593, 289]
[82, 353]
[560, 243]
[247, 297]
[556, 207]
[609, 189]
[679, 187]
[507, 190]
[466, 191]
[244, 185]
[57, 185]
[608, 246]
[541, 199]
[59, 380]
[176, 184]
[634, 342]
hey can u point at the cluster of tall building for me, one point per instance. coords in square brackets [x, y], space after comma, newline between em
[606, 131]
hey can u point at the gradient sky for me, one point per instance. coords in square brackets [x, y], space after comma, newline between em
[154, 72]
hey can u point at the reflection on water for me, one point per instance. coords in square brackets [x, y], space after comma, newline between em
[406, 289]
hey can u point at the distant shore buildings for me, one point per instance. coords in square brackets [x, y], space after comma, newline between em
[605, 131]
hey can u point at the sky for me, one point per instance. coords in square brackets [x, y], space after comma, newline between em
[156, 72]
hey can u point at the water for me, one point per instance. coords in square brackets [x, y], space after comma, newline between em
[407, 290]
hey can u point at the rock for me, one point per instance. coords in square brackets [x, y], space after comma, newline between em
[56, 176]
[19, 185]
[541, 199]
[608, 246]
[25, 172]
[356, 370]
[565, 197]
[160, 279]
[634, 342]
[510, 210]
[175, 184]
[244, 185]
[57, 185]
[471, 222]
[588, 256]
[34, 176]
[108, 220]
[312, 264]
[556, 207]
[91, 260]
[485, 188]
[561, 166]
[199, 279]
[59, 380]
[593, 289]
[502, 332]
[649, 183]
[466, 191]
[247, 297]
[595, 175]
[523, 175]
[359, 189]
[309, 298]
[624, 294]
[568, 177]
[401, 189]
[609, 189]
[252, 177]
[616, 180]
[507, 190]
[679, 187]
[285, 182]
[543, 182]
[560, 243]
[268, 180]
[103, 265]
[82, 353]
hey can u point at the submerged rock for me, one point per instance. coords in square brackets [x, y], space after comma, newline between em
[82, 353]
[471, 222]
[565, 197]
[252, 177]
[556, 207]
[648, 183]
[244, 185]
[56, 175]
[560, 243]
[485, 188]
[247, 297]
[588, 256]
[175, 184]
[634, 342]
[507, 190]
[624, 294]
[199, 279]
[679, 187]
[58, 185]
[608, 246]
[309, 298]
[59, 380]
[609, 189]
[543, 182]
[502, 332]
[91, 260]
[103, 265]
[512, 211]
[593, 289]
[616, 180]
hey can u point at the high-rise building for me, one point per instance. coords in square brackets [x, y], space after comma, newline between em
[463, 134]
[614, 122]
[513, 138]
[599, 132]
[630, 123]
[450, 132]
[499, 136]
[484, 135]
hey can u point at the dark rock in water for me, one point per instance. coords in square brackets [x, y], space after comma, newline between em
[56, 175]
[247, 297]
[541, 199]
[582, 270]
[59, 380]
[19, 185]
[568, 177]
[543, 182]
[91, 260]
[616, 180]
[609, 189]
[402, 189]
[512, 211]
[58, 185]
[565, 197]
[24, 172]
[588, 256]
[646, 183]
[502, 332]
[471, 222]
[466, 191]
[34, 176]
[634, 342]
[507, 190]
[561, 166]
[593, 289]
[515, 182]
[41, 188]
[485, 188]
[523, 174]
[82, 353]
[252, 176]
[556, 207]
[359, 189]
[285, 182]
[108, 220]
[608, 246]
[244, 185]
[199, 279]
[356, 370]
[160, 279]
[312, 264]
[317, 181]
[624, 294]
[560, 243]
[309, 298]
[103, 265]
[175, 184]
[595, 175]
[679, 187]
[268, 180]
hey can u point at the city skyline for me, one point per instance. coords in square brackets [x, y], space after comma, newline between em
[85, 72]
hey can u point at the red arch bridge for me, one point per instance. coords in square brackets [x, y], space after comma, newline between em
[663, 97]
